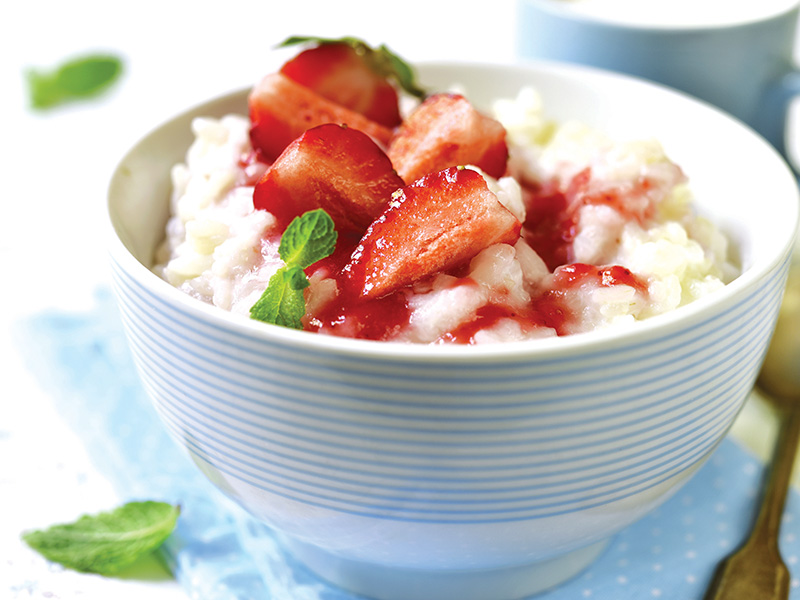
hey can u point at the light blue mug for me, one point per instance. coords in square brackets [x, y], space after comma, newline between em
[744, 66]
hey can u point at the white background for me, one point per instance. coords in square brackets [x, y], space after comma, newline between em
[55, 169]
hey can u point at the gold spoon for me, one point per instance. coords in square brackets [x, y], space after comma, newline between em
[756, 570]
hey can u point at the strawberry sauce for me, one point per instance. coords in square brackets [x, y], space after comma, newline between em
[552, 309]
[551, 223]
[351, 316]
[549, 229]
[548, 311]
[378, 319]
[384, 318]
[571, 276]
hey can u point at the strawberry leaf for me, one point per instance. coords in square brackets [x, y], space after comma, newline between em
[402, 72]
[107, 542]
[382, 60]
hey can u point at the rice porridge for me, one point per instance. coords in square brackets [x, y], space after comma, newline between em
[574, 231]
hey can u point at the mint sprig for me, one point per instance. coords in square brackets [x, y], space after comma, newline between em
[107, 542]
[77, 79]
[382, 60]
[308, 239]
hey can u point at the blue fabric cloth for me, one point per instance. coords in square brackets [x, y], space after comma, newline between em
[218, 553]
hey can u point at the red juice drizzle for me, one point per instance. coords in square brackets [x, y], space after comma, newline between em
[551, 221]
[572, 276]
[547, 311]
[383, 318]
[377, 319]
[630, 199]
[350, 316]
[551, 309]
[548, 228]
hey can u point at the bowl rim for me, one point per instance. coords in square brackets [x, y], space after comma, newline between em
[669, 323]
[562, 10]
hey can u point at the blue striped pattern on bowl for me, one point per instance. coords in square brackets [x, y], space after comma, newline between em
[469, 441]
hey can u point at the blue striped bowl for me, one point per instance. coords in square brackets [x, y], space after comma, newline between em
[415, 472]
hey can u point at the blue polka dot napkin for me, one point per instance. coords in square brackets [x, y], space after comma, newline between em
[218, 553]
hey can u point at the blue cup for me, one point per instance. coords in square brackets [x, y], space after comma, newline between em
[745, 66]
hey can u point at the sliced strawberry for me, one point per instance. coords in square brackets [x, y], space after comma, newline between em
[438, 222]
[445, 131]
[282, 109]
[338, 72]
[333, 167]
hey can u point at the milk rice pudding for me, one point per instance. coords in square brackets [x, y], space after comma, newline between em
[537, 229]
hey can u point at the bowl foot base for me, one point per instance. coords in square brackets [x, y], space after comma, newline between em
[386, 583]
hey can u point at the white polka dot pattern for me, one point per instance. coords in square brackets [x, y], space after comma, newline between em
[673, 551]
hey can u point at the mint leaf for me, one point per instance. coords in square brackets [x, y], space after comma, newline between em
[308, 239]
[107, 542]
[282, 303]
[296, 278]
[382, 60]
[77, 79]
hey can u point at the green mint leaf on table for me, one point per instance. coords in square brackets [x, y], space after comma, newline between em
[308, 239]
[107, 542]
[381, 59]
[77, 79]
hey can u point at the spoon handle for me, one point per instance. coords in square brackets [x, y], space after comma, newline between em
[756, 569]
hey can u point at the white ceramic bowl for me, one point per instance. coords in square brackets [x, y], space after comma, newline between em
[408, 472]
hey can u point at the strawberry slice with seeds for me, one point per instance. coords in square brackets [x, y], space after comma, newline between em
[281, 110]
[438, 222]
[333, 167]
[445, 131]
[343, 74]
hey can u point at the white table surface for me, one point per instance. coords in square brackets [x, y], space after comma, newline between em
[56, 169]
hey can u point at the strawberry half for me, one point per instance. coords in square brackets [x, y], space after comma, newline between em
[333, 167]
[438, 222]
[282, 109]
[342, 74]
[445, 131]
